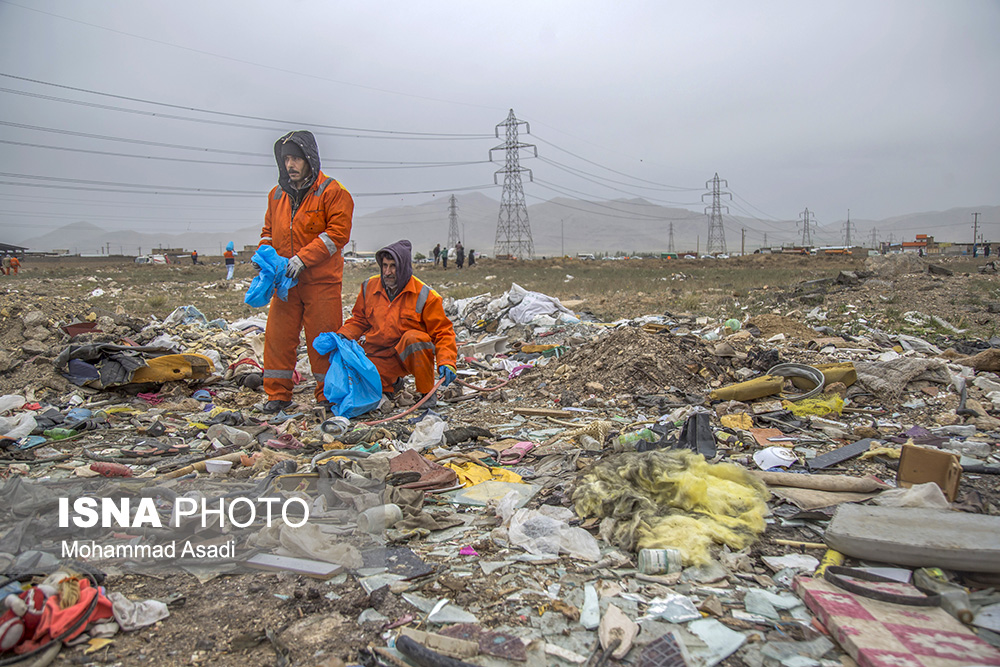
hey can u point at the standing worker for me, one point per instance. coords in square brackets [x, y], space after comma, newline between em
[472, 258]
[308, 220]
[15, 264]
[403, 322]
[437, 253]
[444, 258]
[230, 258]
[194, 256]
[459, 254]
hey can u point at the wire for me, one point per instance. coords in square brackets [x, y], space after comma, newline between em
[603, 180]
[637, 216]
[390, 165]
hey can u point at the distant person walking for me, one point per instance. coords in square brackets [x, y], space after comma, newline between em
[437, 254]
[472, 258]
[459, 254]
[230, 258]
[444, 259]
[194, 256]
[5, 265]
[15, 264]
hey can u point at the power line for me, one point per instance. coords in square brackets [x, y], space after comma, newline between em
[376, 134]
[388, 165]
[248, 62]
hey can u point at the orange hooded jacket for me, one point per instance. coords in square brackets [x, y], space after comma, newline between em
[318, 226]
[383, 321]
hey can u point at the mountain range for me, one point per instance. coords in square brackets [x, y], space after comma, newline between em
[558, 226]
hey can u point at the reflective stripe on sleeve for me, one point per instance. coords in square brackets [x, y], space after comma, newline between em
[331, 247]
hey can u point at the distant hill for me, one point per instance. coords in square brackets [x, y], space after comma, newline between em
[558, 225]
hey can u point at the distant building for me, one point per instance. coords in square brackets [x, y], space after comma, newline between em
[9, 249]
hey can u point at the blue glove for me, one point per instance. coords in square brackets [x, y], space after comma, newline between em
[448, 373]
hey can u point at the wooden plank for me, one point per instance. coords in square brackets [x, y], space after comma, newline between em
[544, 412]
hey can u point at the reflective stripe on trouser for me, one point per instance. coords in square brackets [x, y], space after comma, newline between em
[313, 306]
[413, 355]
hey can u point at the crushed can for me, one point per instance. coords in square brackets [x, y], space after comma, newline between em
[660, 561]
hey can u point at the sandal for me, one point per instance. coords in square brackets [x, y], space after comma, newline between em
[513, 454]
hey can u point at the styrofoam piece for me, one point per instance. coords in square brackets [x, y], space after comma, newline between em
[917, 537]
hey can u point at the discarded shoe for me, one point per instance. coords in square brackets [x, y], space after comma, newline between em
[272, 407]
[513, 454]
[431, 401]
[285, 441]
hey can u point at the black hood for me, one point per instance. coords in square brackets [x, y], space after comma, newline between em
[307, 142]
[400, 251]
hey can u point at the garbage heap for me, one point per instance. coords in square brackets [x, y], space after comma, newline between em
[664, 490]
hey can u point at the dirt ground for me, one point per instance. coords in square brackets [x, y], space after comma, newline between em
[626, 373]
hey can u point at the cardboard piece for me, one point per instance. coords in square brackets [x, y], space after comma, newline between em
[918, 465]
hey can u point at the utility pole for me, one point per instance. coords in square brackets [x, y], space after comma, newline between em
[562, 235]
[975, 233]
[847, 230]
[765, 239]
[513, 237]
[670, 243]
[806, 235]
[716, 232]
[743, 242]
[874, 239]
[452, 222]
[697, 247]
[107, 246]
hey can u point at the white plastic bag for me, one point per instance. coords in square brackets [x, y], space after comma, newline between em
[10, 402]
[429, 432]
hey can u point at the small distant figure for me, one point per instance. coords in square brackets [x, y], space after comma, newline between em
[472, 258]
[459, 254]
[15, 264]
[194, 256]
[230, 258]
[437, 254]
[444, 259]
[5, 265]
[920, 252]
[987, 249]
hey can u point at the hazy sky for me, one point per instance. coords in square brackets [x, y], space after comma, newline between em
[880, 107]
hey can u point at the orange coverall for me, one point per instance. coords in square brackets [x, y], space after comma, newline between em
[15, 265]
[318, 232]
[404, 335]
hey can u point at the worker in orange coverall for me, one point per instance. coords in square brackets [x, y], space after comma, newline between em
[403, 322]
[308, 220]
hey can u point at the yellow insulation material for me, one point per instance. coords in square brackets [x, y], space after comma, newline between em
[674, 499]
[823, 405]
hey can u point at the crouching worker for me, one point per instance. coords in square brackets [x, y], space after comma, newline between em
[403, 324]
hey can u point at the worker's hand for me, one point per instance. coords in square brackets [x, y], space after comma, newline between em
[294, 268]
[448, 373]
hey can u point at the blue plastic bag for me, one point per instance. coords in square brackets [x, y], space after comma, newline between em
[352, 384]
[271, 278]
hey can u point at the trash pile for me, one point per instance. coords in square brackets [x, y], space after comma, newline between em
[664, 490]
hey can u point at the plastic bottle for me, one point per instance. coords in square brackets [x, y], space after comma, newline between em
[954, 598]
[59, 433]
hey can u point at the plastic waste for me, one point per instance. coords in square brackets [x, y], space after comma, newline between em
[590, 615]
[10, 402]
[628, 441]
[271, 279]
[546, 531]
[17, 427]
[429, 432]
[59, 433]
[228, 435]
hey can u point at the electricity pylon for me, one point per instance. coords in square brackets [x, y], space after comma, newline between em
[453, 236]
[513, 231]
[716, 232]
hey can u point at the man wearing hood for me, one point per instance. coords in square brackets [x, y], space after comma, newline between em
[308, 220]
[403, 323]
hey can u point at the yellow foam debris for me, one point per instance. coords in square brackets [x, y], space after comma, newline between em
[674, 499]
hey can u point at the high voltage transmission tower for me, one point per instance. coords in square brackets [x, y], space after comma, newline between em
[513, 231]
[874, 239]
[807, 219]
[847, 229]
[670, 243]
[716, 232]
[453, 236]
